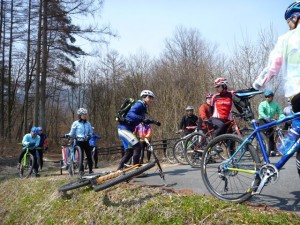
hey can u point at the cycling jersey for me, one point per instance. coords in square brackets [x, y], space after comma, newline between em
[143, 131]
[81, 129]
[28, 139]
[221, 105]
[135, 116]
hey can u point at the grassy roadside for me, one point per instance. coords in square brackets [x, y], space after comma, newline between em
[37, 201]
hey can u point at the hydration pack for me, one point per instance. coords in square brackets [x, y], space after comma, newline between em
[125, 107]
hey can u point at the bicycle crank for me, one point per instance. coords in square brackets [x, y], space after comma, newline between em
[269, 175]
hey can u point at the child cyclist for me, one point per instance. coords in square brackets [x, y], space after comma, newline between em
[135, 116]
[93, 144]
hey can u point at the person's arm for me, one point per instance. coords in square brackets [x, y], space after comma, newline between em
[261, 111]
[273, 67]
[148, 132]
[37, 141]
[25, 140]
[73, 129]
[182, 124]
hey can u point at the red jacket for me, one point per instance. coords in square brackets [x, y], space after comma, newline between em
[204, 115]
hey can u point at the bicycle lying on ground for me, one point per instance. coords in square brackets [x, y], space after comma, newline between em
[243, 173]
[104, 180]
[196, 143]
[71, 157]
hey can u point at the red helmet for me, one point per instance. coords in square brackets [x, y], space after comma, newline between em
[220, 81]
[209, 95]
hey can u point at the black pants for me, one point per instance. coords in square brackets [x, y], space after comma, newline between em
[134, 152]
[41, 157]
[95, 156]
[144, 149]
[85, 147]
[268, 132]
[220, 124]
[33, 152]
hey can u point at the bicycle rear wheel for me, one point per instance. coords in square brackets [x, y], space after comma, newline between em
[26, 166]
[124, 177]
[220, 176]
[169, 155]
[178, 152]
[194, 148]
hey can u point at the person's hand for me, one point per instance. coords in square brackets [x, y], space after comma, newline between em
[67, 136]
[148, 121]
[31, 144]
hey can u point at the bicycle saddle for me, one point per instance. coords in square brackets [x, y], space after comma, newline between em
[247, 93]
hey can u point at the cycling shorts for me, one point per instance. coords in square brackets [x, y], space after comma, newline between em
[128, 138]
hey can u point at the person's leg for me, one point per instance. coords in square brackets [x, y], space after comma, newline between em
[221, 127]
[96, 157]
[136, 153]
[142, 152]
[88, 152]
[128, 154]
[35, 165]
[41, 157]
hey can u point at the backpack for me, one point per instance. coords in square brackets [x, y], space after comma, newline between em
[124, 109]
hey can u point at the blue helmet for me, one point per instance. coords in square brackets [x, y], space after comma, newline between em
[292, 10]
[35, 130]
[269, 93]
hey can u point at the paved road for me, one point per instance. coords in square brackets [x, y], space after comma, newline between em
[284, 195]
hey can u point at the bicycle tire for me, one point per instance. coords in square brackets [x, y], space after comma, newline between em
[26, 170]
[74, 166]
[193, 152]
[124, 177]
[230, 185]
[245, 133]
[169, 155]
[74, 185]
[178, 151]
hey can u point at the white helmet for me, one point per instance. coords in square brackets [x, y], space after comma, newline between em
[82, 111]
[147, 93]
[189, 108]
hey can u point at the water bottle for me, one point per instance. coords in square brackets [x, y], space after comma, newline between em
[289, 140]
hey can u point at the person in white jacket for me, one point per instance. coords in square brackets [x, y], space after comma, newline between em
[285, 57]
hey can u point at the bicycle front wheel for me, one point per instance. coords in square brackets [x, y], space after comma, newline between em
[194, 148]
[74, 185]
[76, 161]
[233, 179]
[124, 177]
[178, 152]
[26, 166]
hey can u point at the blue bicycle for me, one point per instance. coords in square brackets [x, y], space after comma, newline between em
[246, 169]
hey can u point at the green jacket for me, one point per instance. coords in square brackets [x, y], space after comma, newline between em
[269, 109]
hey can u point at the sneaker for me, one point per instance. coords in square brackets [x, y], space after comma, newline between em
[37, 175]
[96, 167]
[91, 171]
[18, 166]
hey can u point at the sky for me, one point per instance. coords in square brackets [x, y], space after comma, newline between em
[144, 25]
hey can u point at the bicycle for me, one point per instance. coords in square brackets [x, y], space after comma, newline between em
[196, 143]
[104, 180]
[242, 174]
[179, 146]
[71, 157]
[27, 163]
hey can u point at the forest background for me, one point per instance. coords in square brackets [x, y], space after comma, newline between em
[45, 76]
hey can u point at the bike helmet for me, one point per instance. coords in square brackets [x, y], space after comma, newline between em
[268, 93]
[147, 93]
[82, 111]
[189, 108]
[208, 95]
[292, 10]
[35, 130]
[220, 81]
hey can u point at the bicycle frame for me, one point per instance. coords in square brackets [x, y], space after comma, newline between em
[256, 134]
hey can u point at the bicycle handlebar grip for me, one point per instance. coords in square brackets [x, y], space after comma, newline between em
[157, 123]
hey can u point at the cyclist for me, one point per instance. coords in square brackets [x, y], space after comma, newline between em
[189, 119]
[143, 131]
[93, 144]
[266, 112]
[135, 116]
[204, 114]
[32, 141]
[43, 146]
[82, 130]
[221, 105]
[284, 57]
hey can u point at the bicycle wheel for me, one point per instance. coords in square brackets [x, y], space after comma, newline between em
[245, 133]
[124, 177]
[26, 166]
[74, 184]
[178, 152]
[169, 155]
[75, 165]
[194, 148]
[219, 175]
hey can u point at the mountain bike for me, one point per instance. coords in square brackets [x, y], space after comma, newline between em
[179, 146]
[104, 180]
[196, 143]
[71, 156]
[27, 163]
[243, 173]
